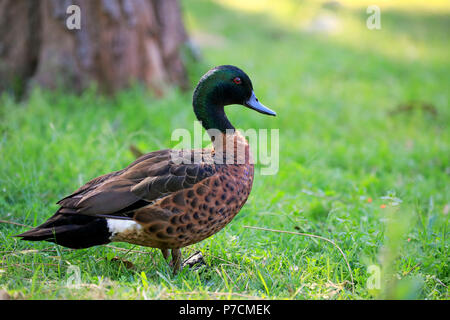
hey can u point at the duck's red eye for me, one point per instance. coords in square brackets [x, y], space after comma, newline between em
[237, 80]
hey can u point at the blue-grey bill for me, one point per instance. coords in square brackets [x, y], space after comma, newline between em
[254, 104]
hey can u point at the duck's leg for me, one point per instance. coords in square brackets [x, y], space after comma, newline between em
[165, 253]
[176, 260]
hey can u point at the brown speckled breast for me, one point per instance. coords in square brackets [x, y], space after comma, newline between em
[191, 215]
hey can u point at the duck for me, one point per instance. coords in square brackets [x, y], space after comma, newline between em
[172, 198]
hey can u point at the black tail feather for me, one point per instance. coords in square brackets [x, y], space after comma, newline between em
[74, 231]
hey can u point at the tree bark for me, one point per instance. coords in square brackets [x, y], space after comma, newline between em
[119, 41]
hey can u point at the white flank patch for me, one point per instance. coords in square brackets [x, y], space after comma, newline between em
[118, 227]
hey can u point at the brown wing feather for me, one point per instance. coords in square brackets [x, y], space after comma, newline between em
[149, 178]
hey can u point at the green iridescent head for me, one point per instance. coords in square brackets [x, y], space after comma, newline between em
[221, 86]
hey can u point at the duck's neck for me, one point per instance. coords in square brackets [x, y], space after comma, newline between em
[227, 143]
[232, 149]
[210, 111]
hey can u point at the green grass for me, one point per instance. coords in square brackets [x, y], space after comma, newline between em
[374, 182]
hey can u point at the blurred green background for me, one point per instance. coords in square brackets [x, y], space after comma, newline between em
[364, 158]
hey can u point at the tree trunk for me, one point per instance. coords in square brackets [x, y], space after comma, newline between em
[119, 41]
